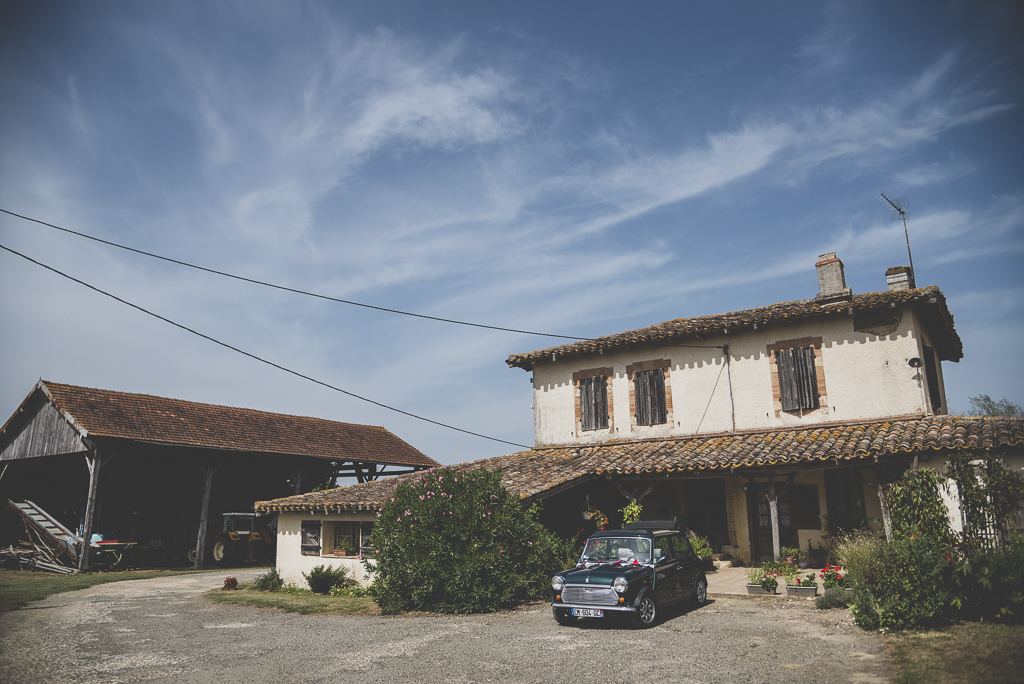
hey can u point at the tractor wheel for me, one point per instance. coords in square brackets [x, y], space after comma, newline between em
[221, 553]
[193, 555]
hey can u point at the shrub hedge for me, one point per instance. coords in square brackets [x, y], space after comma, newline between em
[453, 541]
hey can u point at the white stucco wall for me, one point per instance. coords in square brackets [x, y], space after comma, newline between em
[291, 564]
[866, 377]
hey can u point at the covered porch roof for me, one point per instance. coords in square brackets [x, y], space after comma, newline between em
[539, 473]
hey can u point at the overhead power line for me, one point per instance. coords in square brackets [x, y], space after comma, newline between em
[253, 356]
[282, 287]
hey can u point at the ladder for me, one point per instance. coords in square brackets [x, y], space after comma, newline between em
[56, 547]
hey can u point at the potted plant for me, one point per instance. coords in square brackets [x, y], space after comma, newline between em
[808, 587]
[815, 554]
[599, 519]
[762, 580]
[832, 576]
[791, 554]
[702, 548]
[344, 548]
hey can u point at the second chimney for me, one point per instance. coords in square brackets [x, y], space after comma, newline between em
[831, 279]
[899, 278]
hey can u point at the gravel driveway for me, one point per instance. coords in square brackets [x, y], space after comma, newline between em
[162, 630]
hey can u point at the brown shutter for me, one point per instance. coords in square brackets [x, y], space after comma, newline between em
[649, 392]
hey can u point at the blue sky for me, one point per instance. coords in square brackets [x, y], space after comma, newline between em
[573, 168]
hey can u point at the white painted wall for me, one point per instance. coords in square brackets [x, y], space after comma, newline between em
[866, 376]
[291, 564]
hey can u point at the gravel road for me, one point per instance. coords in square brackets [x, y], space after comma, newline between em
[163, 630]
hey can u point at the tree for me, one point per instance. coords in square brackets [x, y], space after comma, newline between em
[452, 541]
[984, 405]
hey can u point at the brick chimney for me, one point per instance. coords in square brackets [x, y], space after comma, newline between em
[899, 278]
[831, 279]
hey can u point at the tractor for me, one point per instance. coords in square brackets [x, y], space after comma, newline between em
[243, 538]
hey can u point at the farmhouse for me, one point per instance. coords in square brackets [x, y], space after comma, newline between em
[759, 428]
[152, 470]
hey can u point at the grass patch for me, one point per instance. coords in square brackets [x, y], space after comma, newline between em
[19, 588]
[292, 600]
[972, 652]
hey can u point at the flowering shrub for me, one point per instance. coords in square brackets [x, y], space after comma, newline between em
[452, 541]
[833, 576]
[600, 519]
[230, 583]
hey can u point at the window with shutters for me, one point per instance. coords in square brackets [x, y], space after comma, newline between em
[932, 374]
[798, 383]
[650, 392]
[798, 380]
[310, 538]
[594, 403]
[593, 399]
[649, 389]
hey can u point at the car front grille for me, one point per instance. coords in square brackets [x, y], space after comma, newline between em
[594, 596]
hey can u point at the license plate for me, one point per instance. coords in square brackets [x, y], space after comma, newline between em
[587, 612]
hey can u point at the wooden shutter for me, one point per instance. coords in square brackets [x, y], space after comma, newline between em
[649, 394]
[594, 403]
[310, 538]
[798, 379]
[933, 377]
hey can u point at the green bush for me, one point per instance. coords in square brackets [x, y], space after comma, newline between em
[915, 507]
[836, 597]
[701, 546]
[453, 541]
[990, 584]
[322, 579]
[269, 581]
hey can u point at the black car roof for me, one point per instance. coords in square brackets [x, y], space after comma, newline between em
[657, 528]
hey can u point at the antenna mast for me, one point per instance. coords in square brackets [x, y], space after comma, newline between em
[899, 208]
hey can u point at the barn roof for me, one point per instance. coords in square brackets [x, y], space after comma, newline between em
[159, 420]
[533, 473]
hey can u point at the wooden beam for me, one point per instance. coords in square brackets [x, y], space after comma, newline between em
[92, 462]
[204, 512]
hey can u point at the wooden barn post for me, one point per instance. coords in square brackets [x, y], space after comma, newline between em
[204, 512]
[92, 461]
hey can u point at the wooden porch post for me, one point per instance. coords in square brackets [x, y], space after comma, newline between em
[204, 513]
[773, 506]
[92, 461]
[297, 476]
[879, 488]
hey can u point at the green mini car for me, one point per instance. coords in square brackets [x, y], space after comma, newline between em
[634, 572]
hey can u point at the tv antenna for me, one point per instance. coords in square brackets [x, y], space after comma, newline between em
[899, 207]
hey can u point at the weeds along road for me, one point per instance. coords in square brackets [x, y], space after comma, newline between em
[162, 630]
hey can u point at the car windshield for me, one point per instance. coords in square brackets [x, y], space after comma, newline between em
[617, 550]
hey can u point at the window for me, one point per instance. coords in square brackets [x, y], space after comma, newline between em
[356, 534]
[594, 403]
[932, 373]
[310, 537]
[684, 551]
[649, 390]
[804, 507]
[798, 381]
[844, 493]
[593, 399]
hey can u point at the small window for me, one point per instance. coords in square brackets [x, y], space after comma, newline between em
[649, 390]
[310, 537]
[798, 379]
[932, 373]
[683, 549]
[594, 403]
[355, 534]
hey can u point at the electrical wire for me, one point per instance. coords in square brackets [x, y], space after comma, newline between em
[286, 289]
[253, 356]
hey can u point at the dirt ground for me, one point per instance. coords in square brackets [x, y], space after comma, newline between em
[163, 630]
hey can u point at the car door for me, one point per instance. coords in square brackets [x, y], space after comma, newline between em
[689, 565]
[666, 570]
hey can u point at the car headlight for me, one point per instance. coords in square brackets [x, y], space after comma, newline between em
[557, 583]
[620, 585]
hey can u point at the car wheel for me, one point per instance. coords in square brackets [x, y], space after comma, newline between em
[563, 616]
[646, 612]
[700, 591]
[220, 553]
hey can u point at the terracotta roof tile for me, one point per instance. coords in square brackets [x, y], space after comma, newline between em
[529, 473]
[928, 301]
[105, 413]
